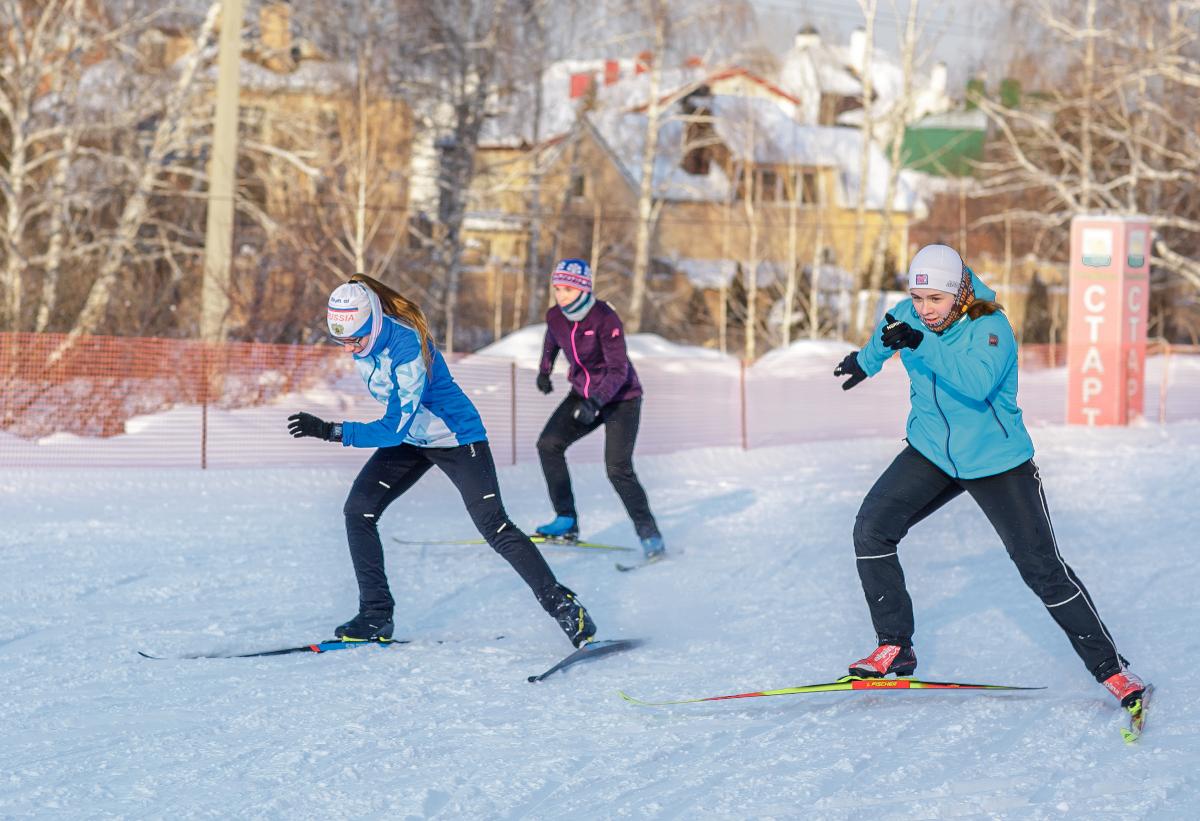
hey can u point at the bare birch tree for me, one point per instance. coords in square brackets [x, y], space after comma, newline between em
[1112, 129]
[39, 58]
[170, 134]
[455, 54]
[869, 10]
[898, 117]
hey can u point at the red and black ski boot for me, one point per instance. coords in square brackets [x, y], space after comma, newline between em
[888, 659]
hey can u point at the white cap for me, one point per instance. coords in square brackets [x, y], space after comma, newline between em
[938, 267]
[349, 311]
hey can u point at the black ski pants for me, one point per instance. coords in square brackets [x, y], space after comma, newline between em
[620, 421]
[393, 470]
[1014, 502]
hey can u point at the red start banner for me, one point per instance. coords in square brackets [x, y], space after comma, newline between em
[1109, 305]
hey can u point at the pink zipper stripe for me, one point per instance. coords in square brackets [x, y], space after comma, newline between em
[587, 377]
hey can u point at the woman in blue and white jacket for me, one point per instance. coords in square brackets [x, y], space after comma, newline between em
[964, 433]
[428, 422]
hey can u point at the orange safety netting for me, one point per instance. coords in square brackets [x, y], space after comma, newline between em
[120, 401]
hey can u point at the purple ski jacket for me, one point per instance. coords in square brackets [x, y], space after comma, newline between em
[595, 349]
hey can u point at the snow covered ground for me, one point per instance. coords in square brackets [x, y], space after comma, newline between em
[762, 593]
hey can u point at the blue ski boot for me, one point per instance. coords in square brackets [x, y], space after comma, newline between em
[653, 547]
[565, 528]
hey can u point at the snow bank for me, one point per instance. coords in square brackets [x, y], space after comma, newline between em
[525, 346]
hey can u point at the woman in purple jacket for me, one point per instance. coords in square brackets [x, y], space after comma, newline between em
[604, 391]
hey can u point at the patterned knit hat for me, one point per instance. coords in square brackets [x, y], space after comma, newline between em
[352, 306]
[573, 272]
[349, 311]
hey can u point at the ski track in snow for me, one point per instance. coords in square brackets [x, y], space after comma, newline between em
[761, 592]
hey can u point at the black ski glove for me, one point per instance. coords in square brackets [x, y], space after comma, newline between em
[850, 367]
[897, 334]
[543, 383]
[587, 411]
[305, 424]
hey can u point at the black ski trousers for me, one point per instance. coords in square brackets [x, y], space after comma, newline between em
[620, 421]
[1014, 502]
[393, 470]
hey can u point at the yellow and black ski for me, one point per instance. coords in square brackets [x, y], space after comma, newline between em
[852, 683]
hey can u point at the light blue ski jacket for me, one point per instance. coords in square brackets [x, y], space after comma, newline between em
[964, 415]
[425, 408]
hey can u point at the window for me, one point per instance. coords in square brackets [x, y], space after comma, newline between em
[328, 121]
[578, 185]
[253, 120]
[808, 188]
[768, 186]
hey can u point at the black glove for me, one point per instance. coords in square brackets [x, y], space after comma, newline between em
[897, 334]
[586, 411]
[305, 424]
[850, 367]
[543, 383]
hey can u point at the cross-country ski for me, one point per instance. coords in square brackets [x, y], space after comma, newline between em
[317, 647]
[589, 652]
[845, 684]
[548, 541]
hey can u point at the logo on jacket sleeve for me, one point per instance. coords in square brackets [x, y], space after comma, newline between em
[616, 332]
[993, 340]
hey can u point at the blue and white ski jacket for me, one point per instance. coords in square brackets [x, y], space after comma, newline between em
[425, 408]
[964, 416]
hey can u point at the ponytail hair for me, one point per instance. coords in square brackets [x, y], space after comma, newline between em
[982, 307]
[404, 309]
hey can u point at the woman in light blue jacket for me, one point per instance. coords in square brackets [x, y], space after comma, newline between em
[964, 433]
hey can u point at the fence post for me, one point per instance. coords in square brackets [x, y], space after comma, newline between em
[1162, 383]
[204, 405]
[512, 392]
[742, 399]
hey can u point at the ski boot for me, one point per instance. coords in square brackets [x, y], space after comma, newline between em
[572, 617]
[653, 547]
[366, 627]
[1126, 686]
[562, 529]
[886, 660]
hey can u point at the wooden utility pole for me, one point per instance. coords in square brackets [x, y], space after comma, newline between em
[218, 238]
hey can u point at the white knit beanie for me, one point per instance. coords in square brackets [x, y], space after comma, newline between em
[938, 267]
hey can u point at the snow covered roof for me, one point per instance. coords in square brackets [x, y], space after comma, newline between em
[752, 128]
[813, 67]
[325, 78]
[493, 221]
[820, 67]
[705, 273]
[963, 120]
[619, 86]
